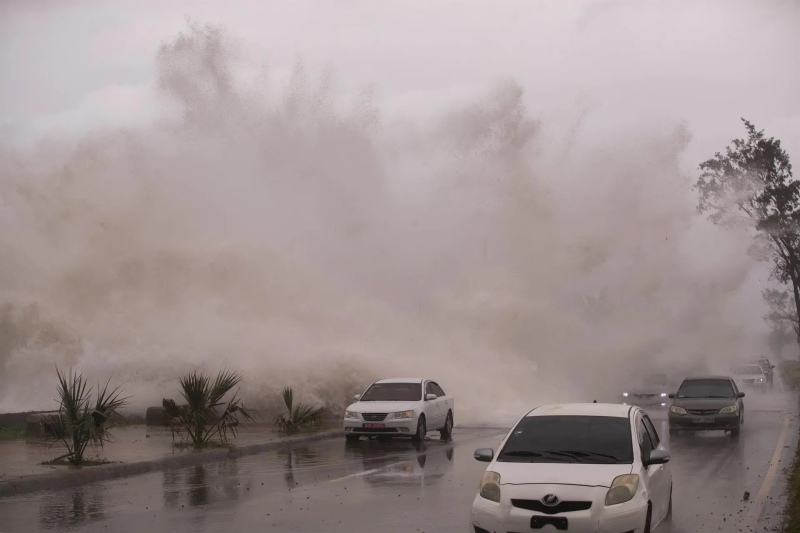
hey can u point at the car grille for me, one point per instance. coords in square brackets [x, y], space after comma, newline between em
[644, 395]
[748, 381]
[561, 507]
[703, 411]
[374, 417]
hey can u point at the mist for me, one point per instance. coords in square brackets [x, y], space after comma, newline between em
[282, 225]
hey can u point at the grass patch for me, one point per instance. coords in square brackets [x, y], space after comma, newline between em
[13, 432]
[792, 519]
[62, 461]
[790, 371]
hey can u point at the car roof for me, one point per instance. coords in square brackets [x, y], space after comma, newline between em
[582, 409]
[692, 378]
[401, 380]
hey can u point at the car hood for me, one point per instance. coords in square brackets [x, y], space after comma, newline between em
[588, 475]
[748, 376]
[381, 407]
[703, 403]
[647, 390]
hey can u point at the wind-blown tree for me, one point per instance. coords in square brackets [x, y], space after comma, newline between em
[81, 419]
[298, 416]
[205, 415]
[782, 318]
[754, 179]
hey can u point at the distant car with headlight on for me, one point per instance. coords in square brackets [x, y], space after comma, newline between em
[750, 376]
[652, 392]
[402, 407]
[576, 467]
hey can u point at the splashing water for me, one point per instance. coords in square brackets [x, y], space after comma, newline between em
[273, 230]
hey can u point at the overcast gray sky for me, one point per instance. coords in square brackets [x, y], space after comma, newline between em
[76, 63]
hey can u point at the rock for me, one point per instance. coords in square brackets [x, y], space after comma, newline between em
[746, 495]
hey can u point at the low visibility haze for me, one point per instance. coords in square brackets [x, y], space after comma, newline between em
[496, 196]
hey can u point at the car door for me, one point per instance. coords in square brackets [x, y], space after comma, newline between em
[434, 407]
[445, 401]
[657, 474]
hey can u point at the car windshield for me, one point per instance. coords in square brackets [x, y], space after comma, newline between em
[706, 388]
[744, 370]
[393, 392]
[569, 439]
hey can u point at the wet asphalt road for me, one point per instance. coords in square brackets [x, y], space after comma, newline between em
[368, 486]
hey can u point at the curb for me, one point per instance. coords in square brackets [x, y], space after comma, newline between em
[62, 480]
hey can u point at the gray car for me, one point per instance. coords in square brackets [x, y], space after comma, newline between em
[707, 403]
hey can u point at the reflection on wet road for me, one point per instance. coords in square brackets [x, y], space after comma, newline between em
[389, 486]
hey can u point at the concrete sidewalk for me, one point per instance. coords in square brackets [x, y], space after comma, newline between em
[136, 450]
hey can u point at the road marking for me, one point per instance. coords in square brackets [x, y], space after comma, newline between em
[772, 472]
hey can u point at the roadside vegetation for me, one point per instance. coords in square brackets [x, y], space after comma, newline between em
[206, 419]
[792, 519]
[12, 431]
[82, 419]
[300, 416]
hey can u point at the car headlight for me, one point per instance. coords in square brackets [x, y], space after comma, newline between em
[677, 410]
[730, 409]
[403, 414]
[759, 380]
[625, 394]
[351, 415]
[623, 489]
[490, 486]
[664, 395]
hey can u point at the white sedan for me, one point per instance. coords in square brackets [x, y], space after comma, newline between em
[404, 407]
[576, 467]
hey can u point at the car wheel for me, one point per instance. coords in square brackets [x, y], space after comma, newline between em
[735, 431]
[421, 430]
[649, 519]
[447, 431]
[351, 438]
[673, 432]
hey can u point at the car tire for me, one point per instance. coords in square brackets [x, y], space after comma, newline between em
[673, 432]
[351, 438]
[648, 519]
[421, 430]
[447, 431]
[735, 431]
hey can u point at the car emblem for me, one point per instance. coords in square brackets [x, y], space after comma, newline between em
[550, 500]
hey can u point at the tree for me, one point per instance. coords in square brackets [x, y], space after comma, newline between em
[782, 317]
[300, 416]
[200, 420]
[81, 421]
[754, 178]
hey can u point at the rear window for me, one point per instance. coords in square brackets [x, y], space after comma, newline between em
[393, 392]
[569, 439]
[705, 388]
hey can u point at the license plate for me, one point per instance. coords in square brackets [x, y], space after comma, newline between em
[538, 522]
[374, 425]
[703, 420]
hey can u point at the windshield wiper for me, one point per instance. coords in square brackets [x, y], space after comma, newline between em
[593, 454]
[523, 453]
[527, 453]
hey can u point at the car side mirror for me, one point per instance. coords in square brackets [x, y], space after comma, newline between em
[357, 397]
[430, 397]
[671, 395]
[484, 455]
[657, 457]
[773, 366]
[740, 395]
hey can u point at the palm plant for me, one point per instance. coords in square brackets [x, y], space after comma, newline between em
[80, 421]
[300, 416]
[200, 420]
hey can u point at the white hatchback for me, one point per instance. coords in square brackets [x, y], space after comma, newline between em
[576, 467]
[402, 407]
